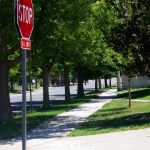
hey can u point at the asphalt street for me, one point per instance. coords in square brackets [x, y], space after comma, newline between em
[56, 93]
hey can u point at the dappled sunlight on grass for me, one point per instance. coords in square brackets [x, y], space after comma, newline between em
[140, 93]
[116, 116]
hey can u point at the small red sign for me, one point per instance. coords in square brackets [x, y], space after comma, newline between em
[25, 44]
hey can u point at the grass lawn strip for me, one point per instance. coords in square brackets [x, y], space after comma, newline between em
[138, 93]
[116, 116]
[37, 116]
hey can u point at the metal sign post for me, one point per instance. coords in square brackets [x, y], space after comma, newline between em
[24, 128]
[24, 23]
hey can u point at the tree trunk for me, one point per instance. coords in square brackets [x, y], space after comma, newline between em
[109, 82]
[30, 81]
[106, 85]
[5, 106]
[100, 83]
[80, 92]
[129, 91]
[62, 80]
[67, 82]
[11, 85]
[118, 81]
[96, 85]
[27, 89]
[36, 83]
[45, 87]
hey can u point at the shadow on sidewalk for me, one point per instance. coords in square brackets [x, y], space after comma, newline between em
[60, 125]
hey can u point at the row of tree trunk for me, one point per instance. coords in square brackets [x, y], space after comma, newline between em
[5, 106]
[98, 82]
[80, 88]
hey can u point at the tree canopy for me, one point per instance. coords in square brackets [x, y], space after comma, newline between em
[84, 39]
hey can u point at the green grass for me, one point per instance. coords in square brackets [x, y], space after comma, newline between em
[116, 116]
[139, 93]
[13, 128]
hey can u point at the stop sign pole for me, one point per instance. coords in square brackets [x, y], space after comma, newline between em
[24, 126]
[24, 23]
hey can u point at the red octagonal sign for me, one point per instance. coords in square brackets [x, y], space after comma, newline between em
[24, 18]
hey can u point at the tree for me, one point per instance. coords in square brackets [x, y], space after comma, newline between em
[46, 50]
[75, 37]
[133, 31]
[130, 36]
[9, 55]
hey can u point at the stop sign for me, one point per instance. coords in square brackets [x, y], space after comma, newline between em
[24, 18]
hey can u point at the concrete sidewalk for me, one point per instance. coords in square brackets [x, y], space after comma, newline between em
[128, 140]
[53, 134]
[61, 125]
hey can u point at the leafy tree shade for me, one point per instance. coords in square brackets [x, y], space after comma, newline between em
[131, 36]
[9, 56]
